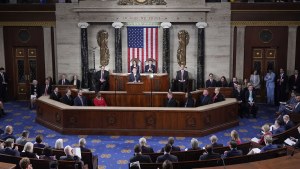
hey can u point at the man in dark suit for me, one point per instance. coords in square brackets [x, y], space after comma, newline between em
[281, 86]
[294, 82]
[150, 68]
[134, 76]
[3, 84]
[46, 88]
[76, 82]
[82, 144]
[101, 78]
[233, 83]
[214, 141]
[144, 148]
[67, 98]
[69, 155]
[139, 157]
[167, 155]
[80, 100]
[205, 99]
[63, 80]
[287, 122]
[8, 150]
[239, 95]
[171, 102]
[171, 142]
[250, 100]
[182, 78]
[189, 102]
[209, 153]
[55, 95]
[35, 89]
[8, 134]
[211, 82]
[233, 150]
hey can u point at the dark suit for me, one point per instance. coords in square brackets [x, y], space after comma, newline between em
[68, 158]
[204, 100]
[78, 83]
[55, 97]
[47, 90]
[289, 125]
[239, 95]
[3, 87]
[171, 103]
[9, 151]
[278, 131]
[174, 148]
[218, 98]
[179, 76]
[222, 84]
[77, 101]
[294, 83]
[28, 154]
[67, 82]
[153, 67]
[35, 90]
[233, 153]
[147, 149]
[281, 87]
[209, 156]
[216, 145]
[101, 86]
[162, 158]
[67, 100]
[141, 158]
[250, 108]
[135, 78]
[6, 136]
[189, 102]
[231, 84]
[268, 147]
[83, 149]
[39, 145]
[209, 83]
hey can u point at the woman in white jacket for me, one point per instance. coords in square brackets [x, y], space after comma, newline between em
[255, 80]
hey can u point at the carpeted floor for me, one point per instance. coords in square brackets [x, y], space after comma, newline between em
[114, 151]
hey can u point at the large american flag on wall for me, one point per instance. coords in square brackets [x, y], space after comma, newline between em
[142, 44]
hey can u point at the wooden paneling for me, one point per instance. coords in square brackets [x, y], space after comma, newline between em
[137, 121]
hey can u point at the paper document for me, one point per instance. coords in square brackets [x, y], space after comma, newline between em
[288, 141]
[77, 152]
[254, 139]
[256, 150]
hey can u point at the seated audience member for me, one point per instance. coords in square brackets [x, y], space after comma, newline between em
[171, 142]
[67, 98]
[144, 147]
[70, 156]
[101, 79]
[217, 97]
[99, 100]
[171, 102]
[294, 108]
[150, 68]
[189, 100]
[239, 95]
[47, 154]
[139, 157]
[268, 145]
[63, 80]
[2, 113]
[235, 137]
[8, 148]
[214, 141]
[8, 133]
[134, 76]
[233, 83]
[25, 163]
[287, 122]
[209, 154]
[80, 100]
[167, 165]
[76, 82]
[294, 82]
[233, 150]
[194, 145]
[55, 95]
[167, 155]
[246, 84]
[296, 140]
[82, 145]
[222, 82]
[38, 142]
[277, 128]
[266, 132]
[23, 139]
[35, 92]
[51, 83]
[182, 78]
[59, 144]
[46, 88]
[250, 100]
[28, 151]
[287, 105]
[211, 82]
[205, 99]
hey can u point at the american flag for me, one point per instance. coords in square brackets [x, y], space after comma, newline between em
[142, 44]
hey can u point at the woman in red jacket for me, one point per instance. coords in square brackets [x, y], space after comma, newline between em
[99, 100]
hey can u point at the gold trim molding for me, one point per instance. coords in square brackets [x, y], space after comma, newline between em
[265, 23]
[42, 23]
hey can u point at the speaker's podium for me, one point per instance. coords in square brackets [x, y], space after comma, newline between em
[135, 87]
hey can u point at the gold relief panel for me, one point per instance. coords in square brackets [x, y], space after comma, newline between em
[271, 53]
[19, 52]
[21, 89]
[32, 52]
[257, 53]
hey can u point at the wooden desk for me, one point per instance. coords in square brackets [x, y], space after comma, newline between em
[197, 121]
[7, 166]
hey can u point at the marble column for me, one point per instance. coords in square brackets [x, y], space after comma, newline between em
[48, 51]
[201, 54]
[240, 52]
[2, 54]
[166, 47]
[84, 54]
[118, 46]
[291, 52]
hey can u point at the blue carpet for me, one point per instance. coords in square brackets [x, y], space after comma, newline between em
[114, 151]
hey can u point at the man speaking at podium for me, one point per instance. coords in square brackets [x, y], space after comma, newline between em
[134, 76]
